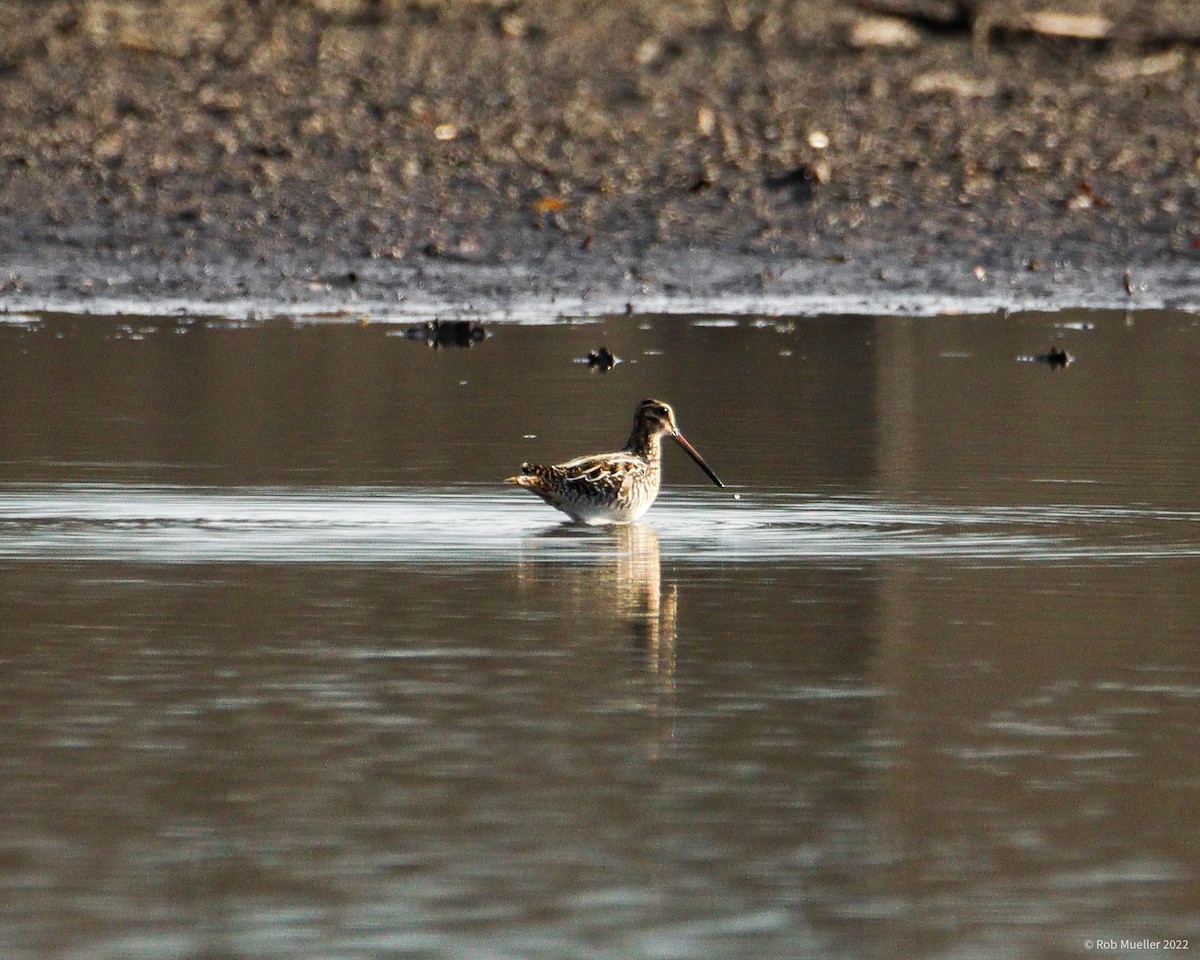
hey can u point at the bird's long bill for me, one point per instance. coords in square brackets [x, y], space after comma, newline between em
[691, 452]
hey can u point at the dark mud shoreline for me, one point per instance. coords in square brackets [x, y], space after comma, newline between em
[539, 159]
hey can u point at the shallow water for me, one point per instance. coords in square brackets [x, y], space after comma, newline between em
[288, 673]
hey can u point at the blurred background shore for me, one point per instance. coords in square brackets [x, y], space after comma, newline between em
[212, 149]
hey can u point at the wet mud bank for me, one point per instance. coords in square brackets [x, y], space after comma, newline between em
[534, 159]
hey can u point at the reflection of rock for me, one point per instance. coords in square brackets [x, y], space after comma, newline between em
[447, 333]
[601, 360]
[1056, 358]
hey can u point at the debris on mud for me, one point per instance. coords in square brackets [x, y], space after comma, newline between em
[198, 150]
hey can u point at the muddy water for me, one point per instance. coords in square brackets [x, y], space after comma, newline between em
[286, 673]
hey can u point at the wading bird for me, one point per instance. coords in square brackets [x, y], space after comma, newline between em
[613, 487]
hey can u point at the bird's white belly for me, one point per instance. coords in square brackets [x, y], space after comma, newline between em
[596, 515]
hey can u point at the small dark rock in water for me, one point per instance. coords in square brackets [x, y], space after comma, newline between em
[602, 359]
[1056, 358]
[447, 333]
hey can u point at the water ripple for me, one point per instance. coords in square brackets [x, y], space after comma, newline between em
[185, 524]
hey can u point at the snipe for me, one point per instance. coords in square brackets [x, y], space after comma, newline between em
[613, 487]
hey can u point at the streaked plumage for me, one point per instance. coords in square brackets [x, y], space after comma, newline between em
[613, 487]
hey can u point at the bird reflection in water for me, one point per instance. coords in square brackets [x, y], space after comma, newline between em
[618, 591]
[643, 602]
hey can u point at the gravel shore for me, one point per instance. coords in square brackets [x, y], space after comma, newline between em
[541, 158]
